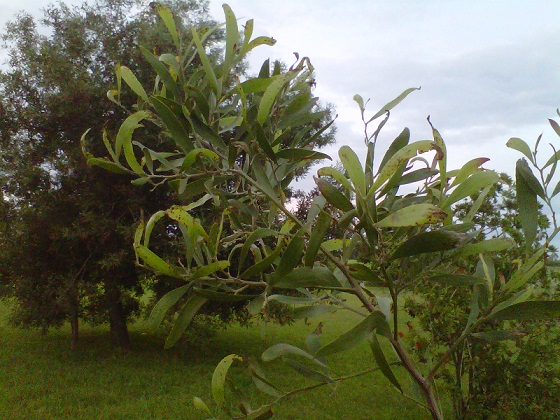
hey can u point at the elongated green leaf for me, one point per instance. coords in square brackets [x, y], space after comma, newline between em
[354, 168]
[520, 146]
[133, 83]
[126, 129]
[389, 106]
[264, 142]
[401, 156]
[311, 311]
[253, 237]
[175, 123]
[469, 168]
[401, 141]
[206, 133]
[527, 201]
[415, 176]
[362, 272]
[262, 265]
[260, 40]
[307, 371]
[316, 239]
[316, 277]
[184, 318]
[290, 259]
[255, 85]
[219, 380]
[210, 75]
[283, 350]
[337, 176]
[470, 186]
[209, 269]
[270, 96]
[193, 155]
[293, 300]
[232, 40]
[168, 20]
[382, 361]
[373, 323]
[414, 215]
[458, 279]
[529, 311]
[221, 296]
[301, 154]
[162, 72]
[156, 263]
[150, 226]
[333, 195]
[495, 336]
[166, 302]
[523, 170]
[200, 405]
[262, 383]
[489, 245]
[433, 241]
[107, 165]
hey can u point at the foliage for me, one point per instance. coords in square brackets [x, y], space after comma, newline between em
[67, 252]
[237, 145]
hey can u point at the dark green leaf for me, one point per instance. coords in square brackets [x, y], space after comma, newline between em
[529, 311]
[433, 241]
[301, 154]
[333, 195]
[527, 201]
[458, 279]
[401, 141]
[382, 361]
[187, 313]
[373, 323]
[166, 302]
[316, 277]
[316, 239]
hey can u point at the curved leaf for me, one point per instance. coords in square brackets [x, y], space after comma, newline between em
[316, 239]
[414, 215]
[333, 195]
[219, 380]
[354, 168]
[401, 156]
[166, 302]
[184, 318]
[520, 146]
[316, 277]
[389, 106]
[382, 361]
[270, 95]
[373, 323]
[433, 241]
[529, 311]
[458, 279]
[470, 186]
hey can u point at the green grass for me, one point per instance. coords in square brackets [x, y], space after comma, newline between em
[41, 378]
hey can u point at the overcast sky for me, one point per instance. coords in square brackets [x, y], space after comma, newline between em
[489, 69]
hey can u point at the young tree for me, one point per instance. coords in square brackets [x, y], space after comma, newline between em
[226, 154]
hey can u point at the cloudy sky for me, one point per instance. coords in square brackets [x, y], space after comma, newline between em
[489, 69]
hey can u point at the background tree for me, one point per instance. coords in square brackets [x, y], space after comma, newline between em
[71, 225]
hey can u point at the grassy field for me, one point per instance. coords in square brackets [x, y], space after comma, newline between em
[41, 378]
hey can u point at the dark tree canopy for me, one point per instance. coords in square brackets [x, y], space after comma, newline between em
[70, 226]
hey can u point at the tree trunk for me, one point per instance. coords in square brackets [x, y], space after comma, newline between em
[74, 325]
[74, 313]
[117, 318]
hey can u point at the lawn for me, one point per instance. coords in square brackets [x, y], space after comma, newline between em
[43, 379]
